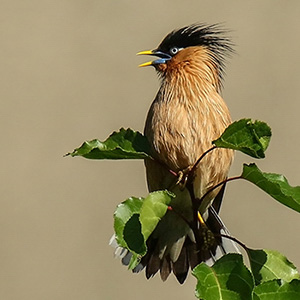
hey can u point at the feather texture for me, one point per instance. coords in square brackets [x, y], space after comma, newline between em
[186, 115]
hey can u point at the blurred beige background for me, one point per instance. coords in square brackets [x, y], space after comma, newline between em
[68, 74]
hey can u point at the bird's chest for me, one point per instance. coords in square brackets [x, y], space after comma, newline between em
[179, 133]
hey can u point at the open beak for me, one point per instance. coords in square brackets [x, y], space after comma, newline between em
[163, 57]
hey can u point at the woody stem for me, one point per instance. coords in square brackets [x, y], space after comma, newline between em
[200, 158]
[216, 186]
[236, 241]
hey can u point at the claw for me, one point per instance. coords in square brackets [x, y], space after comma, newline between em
[182, 177]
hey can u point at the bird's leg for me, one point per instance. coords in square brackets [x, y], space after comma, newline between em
[183, 176]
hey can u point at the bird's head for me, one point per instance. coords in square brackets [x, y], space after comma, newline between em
[196, 46]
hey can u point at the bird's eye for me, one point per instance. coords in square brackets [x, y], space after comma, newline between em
[174, 50]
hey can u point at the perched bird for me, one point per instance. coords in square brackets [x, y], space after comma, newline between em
[187, 114]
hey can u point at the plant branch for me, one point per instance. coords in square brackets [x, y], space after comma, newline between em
[235, 240]
[193, 168]
[200, 158]
[170, 208]
[216, 186]
[175, 174]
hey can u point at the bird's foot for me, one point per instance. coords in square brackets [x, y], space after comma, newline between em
[182, 177]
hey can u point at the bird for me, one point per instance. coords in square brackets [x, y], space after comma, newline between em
[187, 114]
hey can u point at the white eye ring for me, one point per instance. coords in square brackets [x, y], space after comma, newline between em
[174, 50]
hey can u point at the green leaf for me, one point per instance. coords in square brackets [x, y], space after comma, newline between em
[227, 279]
[275, 185]
[267, 265]
[154, 208]
[267, 290]
[125, 144]
[136, 218]
[247, 136]
[133, 235]
[125, 213]
[276, 290]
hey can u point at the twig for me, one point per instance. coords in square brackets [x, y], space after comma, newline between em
[200, 158]
[235, 240]
[192, 170]
[216, 186]
[170, 208]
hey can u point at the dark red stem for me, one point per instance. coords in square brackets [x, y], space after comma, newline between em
[218, 185]
[200, 158]
[235, 240]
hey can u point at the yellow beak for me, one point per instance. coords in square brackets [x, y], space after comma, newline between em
[163, 57]
[147, 52]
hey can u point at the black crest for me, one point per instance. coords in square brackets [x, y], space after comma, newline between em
[211, 36]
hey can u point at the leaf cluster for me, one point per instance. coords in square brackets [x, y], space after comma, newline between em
[271, 275]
